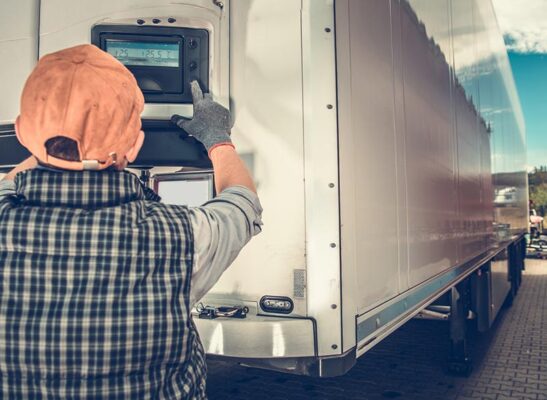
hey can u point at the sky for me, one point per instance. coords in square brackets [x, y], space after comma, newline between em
[525, 33]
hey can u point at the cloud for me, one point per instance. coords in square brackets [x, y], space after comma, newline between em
[524, 24]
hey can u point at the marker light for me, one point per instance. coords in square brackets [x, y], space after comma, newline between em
[276, 304]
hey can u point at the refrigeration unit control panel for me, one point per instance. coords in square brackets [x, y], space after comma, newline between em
[164, 59]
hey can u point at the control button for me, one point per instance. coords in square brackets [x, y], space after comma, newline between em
[140, 21]
[171, 20]
[156, 21]
[193, 65]
[192, 43]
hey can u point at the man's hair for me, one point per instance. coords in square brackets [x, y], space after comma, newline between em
[63, 148]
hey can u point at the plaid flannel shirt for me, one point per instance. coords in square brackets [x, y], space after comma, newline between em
[94, 291]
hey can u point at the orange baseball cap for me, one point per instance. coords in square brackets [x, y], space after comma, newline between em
[84, 94]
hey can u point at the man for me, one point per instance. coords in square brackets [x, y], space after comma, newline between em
[97, 277]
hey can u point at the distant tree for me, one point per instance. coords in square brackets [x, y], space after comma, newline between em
[537, 176]
[537, 181]
[538, 194]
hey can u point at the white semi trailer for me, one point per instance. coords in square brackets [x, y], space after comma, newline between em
[378, 132]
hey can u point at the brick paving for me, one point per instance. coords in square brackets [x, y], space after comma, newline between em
[510, 362]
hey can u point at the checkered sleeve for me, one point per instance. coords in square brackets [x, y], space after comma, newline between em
[222, 227]
[7, 188]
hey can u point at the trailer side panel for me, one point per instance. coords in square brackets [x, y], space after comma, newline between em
[417, 197]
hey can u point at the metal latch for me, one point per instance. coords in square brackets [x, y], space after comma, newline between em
[209, 312]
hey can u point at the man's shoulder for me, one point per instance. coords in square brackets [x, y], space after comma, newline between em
[7, 188]
[164, 213]
[158, 205]
[7, 194]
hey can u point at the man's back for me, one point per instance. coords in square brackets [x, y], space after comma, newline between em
[95, 288]
[95, 273]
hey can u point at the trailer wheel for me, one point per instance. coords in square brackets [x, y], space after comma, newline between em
[461, 368]
[508, 303]
[459, 361]
[517, 253]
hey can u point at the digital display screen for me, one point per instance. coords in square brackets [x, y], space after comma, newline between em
[150, 54]
[191, 192]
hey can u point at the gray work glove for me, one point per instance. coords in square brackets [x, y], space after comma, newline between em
[211, 123]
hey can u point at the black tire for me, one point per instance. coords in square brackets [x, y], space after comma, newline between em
[508, 303]
[462, 369]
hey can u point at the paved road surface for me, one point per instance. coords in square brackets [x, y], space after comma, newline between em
[510, 362]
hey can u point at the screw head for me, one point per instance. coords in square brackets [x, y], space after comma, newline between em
[333, 306]
[333, 245]
[331, 185]
[334, 346]
[330, 106]
[327, 30]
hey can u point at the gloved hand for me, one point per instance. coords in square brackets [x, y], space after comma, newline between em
[211, 123]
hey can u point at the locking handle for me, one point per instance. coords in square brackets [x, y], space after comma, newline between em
[209, 312]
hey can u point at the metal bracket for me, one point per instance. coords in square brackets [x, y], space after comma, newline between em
[433, 315]
[209, 312]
